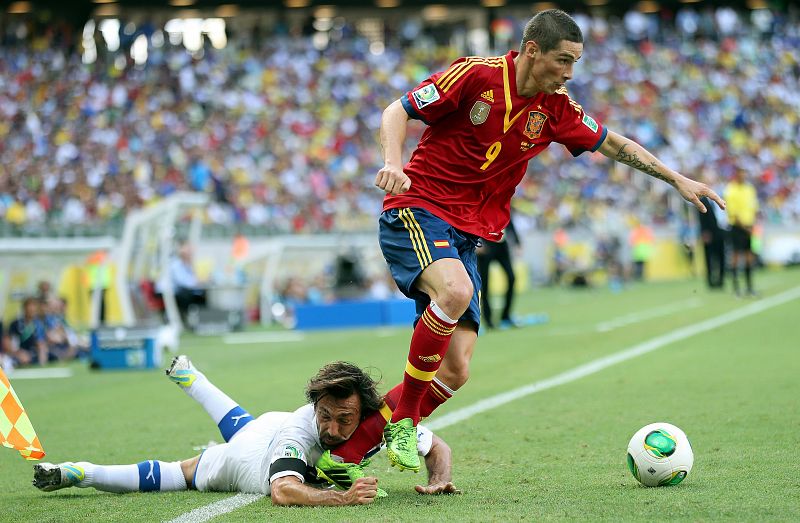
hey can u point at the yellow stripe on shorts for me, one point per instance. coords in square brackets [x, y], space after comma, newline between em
[417, 237]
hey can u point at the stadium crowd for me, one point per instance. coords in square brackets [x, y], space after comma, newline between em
[283, 136]
[40, 333]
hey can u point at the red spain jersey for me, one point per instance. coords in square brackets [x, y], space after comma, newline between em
[479, 139]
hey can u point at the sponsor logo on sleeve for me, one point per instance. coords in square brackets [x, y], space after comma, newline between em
[589, 122]
[479, 112]
[425, 96]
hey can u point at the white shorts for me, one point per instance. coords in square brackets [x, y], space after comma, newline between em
[237, 466]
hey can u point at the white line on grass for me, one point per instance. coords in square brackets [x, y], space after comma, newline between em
[648, 314]
[40, 374]
[621, 321]
[612, 359]
[218, 508]
[242, 338]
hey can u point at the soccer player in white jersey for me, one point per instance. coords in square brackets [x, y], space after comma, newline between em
[273, 454]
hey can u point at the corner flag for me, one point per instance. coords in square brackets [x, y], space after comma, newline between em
[16, 431]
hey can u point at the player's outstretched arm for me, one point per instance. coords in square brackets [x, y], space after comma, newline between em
[439, 463]
[391, 177]
[289, 490]
[624, 150]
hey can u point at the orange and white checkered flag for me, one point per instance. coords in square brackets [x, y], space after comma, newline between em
[16, 431]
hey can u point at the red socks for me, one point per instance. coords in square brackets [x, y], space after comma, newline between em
[437, 394]
[428, 346]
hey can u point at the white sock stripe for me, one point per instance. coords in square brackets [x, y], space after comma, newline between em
[443, 386]
[435, 309]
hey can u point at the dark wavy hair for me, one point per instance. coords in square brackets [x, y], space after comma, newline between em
[341, 379]
[548, 28]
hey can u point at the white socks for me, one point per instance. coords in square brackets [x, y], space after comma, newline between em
[226, 413]
[142, 477]
[213, 400]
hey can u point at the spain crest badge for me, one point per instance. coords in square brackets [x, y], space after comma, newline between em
[535, 124]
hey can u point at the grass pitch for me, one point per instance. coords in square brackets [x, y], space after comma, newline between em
[557, 454]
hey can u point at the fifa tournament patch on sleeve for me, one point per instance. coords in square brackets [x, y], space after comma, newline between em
[589, 122]
[425, 96]
[289, 451]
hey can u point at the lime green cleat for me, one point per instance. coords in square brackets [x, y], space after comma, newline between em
[401, 444]
[342, 474]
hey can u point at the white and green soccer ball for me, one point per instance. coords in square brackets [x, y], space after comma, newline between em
[660, 454]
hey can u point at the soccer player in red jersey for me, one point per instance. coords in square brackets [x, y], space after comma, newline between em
[486, 118]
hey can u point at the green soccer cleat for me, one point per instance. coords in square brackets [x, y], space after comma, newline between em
[401, 444]
[49, 477]
[341, 474]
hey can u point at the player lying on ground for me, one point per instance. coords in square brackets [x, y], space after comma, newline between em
[272, 454]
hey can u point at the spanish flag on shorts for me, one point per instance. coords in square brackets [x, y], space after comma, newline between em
[16, 431]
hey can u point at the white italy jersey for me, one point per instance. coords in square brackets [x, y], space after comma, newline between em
[272, 446]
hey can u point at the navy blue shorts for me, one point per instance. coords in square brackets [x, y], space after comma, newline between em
[413, 238]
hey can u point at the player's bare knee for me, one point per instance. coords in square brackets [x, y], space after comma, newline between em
[455, 298]
[188, 467]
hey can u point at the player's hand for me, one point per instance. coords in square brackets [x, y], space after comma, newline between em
[362, 492]
[392, 180]
[437, 488]
[692, 191]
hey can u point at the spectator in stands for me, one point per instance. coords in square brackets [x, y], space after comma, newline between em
[608, 258]
[349, 280]
[189, 290]
[27, 343]
[62, 340]
[642, 244]
[283, 136]
[44, 291]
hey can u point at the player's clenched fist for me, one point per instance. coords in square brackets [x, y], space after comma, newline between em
[392, 180]
[362, 492]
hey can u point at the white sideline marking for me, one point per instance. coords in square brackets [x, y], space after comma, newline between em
[242, 338]
[648, 314]
[620, 321]
[39, 374]
[218, 508]
[612, 359]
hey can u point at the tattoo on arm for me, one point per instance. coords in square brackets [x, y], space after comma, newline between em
[633, 160]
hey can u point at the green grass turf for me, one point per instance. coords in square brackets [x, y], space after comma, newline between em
[558, 454]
